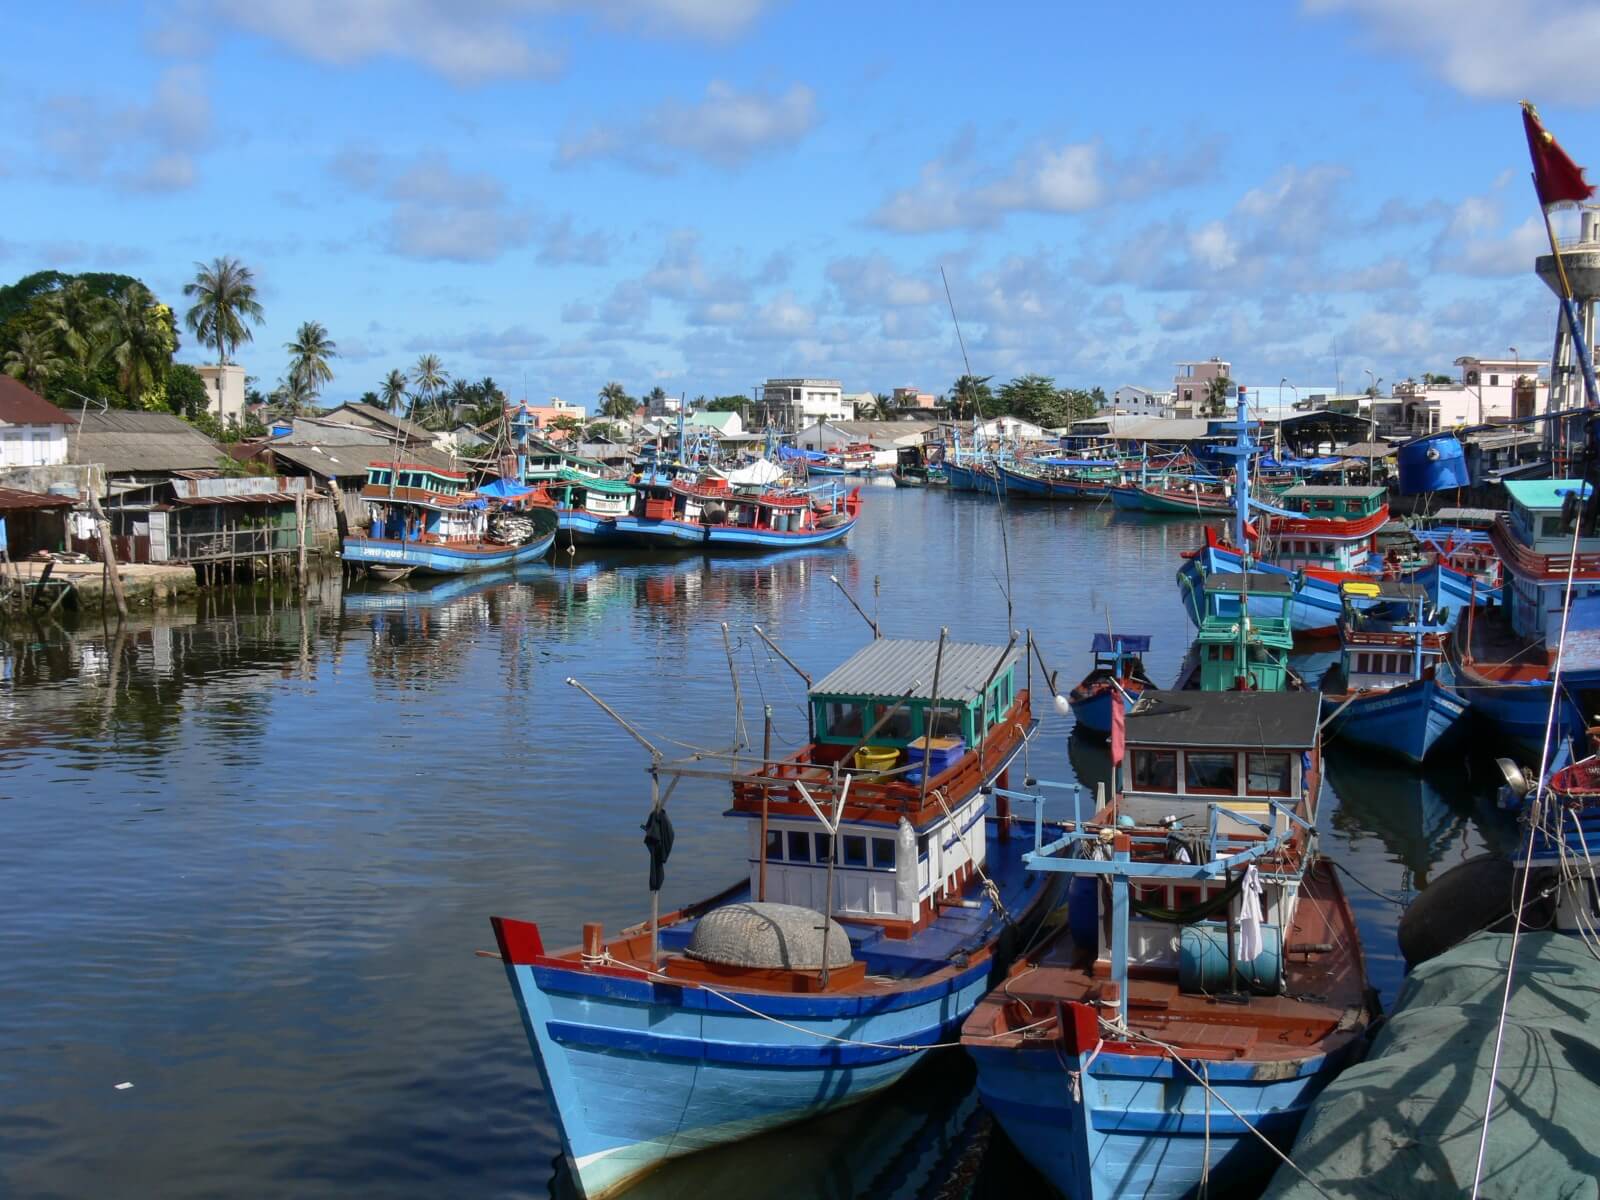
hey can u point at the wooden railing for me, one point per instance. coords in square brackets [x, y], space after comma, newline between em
[1529, 562]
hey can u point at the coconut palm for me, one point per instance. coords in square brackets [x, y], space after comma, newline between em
[615, 402]
[308, 357]
[224, 293]
[135, 331]
[72, 314]
[394, 391]
[1217, 396]
[292, 396]
[33, 358]
[428, 378]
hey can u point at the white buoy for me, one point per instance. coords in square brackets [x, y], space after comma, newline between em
[1062, 707]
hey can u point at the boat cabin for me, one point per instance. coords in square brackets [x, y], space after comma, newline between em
[1534, 540]
[1334, 502]
[1389, 634]
[605, 498]
[409, 502]
[1120, 653]
[1210, 769]
[904, 846]
[1245, 635]
[1332, 528]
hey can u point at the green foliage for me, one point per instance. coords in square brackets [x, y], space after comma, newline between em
[971, 396]
[616, 403]
[224, 296]
[1034, 398]
[1216, 402]
[186, 391]
[308, 357]
[565, 424]
[19, 296]
[229, 431]
[736, 404]
[1433, 377]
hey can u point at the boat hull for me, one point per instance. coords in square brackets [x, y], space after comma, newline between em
[724, 539]
[430, 559]
[970, 479]
[1409, 722]
[586, 529]
[1036, 487]
[1093, 714]
[1140, 1125]
[1131, 498]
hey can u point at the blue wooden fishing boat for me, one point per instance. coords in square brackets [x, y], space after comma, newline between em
[1384, 693]
[1117, 676]
[1502, 656]
[1245, 637]
[750, 1010]
[712, 516]
[1209, 982]
[1060, 478]
[429, 520]
[588, 507]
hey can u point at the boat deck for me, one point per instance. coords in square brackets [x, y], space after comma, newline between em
[1498, 652]
[1324, 994]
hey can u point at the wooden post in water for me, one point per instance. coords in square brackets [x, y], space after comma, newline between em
[300, 530]
[655, 893]
[108, 555]
[766, 796]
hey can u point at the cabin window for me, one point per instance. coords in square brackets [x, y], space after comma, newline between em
[1267, 774]
[943, 721]
[1155, 770]
[845, 719]
[899, 726]
[1206, 772]
[922, 845]
[824, 847]
[799, 846]
[775, 845]
[855, 850]
[1322, 505]
[883, 853]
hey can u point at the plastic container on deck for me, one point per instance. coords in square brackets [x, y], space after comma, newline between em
[1432, 464]
[943, 754]
[877, 758]
[1203, 960]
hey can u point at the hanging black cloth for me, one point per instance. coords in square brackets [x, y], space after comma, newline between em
[658, 836]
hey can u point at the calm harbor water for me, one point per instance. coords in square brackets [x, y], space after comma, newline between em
[248, 851]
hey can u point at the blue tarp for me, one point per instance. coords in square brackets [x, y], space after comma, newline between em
[794, 452]
[1132, 643]
[504, 488]
[1269, 463]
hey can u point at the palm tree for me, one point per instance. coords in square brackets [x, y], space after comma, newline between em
[970, 395]
[309, 355]
[133, 333]
[615, 402]
[394, 391]
[428, 378]
[72, 314]
[224, 293]
[292, 396]
[33, 358]
[1217, 395]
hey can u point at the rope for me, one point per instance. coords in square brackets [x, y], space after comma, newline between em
[606, 959]
[988, 884]
[1522, 892]
[1356, 879]
[1172, 1052]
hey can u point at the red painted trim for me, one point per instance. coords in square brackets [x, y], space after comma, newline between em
[519, 941]
[1080, 1028]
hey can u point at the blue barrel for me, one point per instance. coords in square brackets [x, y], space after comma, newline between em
[1203, 960]
[1083, 912]
[1432, 464]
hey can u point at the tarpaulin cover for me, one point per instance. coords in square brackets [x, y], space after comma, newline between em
[1404, 1123]
[1290, 463]
[793, 452]
[1132, 643]
[504, 487]
[761, 471]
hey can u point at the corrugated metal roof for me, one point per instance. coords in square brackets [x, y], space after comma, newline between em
[12, 500]
[1226, 720]
[143, 442]
[350, 464]
[21, 405]
[248, 498]
[888, 667]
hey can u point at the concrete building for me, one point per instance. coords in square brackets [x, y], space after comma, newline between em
[1488, 390]
[33, 432]
[224, 390]
[1140, 402]
[791, 404]
[863, 404]
[1192, 382]
[905, 399]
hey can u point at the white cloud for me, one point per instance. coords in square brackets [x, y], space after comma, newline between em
[1475, 240]
[872, 282]
[139, 146]
[1490, 49]
[726, 127]
[467, 41]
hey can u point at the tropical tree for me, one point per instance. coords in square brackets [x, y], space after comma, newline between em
[71, 313]
[1034, 398]
[427, 380]
[137, 333]
[970, 396]
[33, 358]
[736, 404]
[394, 391]
[292, 397]
[566, 425]
[615, 402]
[1217, 396]
[308, 357]
[186, 392]
[224, 295]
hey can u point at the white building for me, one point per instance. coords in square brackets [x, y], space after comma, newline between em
[1140, 402]
[224, 390]
[795, 403]
[1488, 390]
[33, 432]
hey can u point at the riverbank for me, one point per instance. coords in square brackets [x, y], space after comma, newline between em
[144, 584]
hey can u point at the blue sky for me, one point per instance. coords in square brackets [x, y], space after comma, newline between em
[698, 194]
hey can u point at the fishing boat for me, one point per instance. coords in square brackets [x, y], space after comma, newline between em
[1056, 478]
[750, 1010]
[1504, 656]
[714, 515]
[1245, 637]
[1209, 982]
[1172, 499]
[1384, 693]
[588, 507]
[914, 468]
[432, 522]
[1117, 677]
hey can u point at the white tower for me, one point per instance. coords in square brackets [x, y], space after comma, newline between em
[1581, 258]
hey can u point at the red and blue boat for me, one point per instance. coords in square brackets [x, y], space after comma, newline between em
[431, 521]
[712, 515]
[751, 1010]
[1209, 982]
[1117, 677]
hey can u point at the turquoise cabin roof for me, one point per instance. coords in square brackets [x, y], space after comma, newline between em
[1542, 493]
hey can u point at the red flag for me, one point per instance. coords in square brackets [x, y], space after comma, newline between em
[1119, 719]
[1556, 177]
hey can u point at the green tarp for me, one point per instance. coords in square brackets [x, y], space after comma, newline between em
[1405, 1122]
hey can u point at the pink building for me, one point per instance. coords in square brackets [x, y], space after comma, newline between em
[1193, 380]
[910, 397]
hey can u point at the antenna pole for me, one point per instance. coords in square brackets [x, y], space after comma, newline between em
[876, 632]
